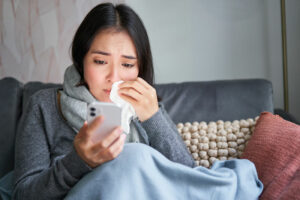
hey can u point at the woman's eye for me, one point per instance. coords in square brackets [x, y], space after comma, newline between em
[100, 62]
[128, 65]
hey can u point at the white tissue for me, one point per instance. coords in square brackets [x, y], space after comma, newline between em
[127, 110]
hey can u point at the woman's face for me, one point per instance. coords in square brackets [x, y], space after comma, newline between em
[111, 58]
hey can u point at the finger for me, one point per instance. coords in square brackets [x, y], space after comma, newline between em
[130, 92]
[94, 125]
[83, 128]
[115, 148]
[151, 90]
[118, 150]
[134, 85]
[143, 82]
[119, 142]
[83, 134]
[107, 140]
[129, 99]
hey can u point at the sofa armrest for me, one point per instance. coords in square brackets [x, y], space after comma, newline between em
[10, 112]
[286, 115]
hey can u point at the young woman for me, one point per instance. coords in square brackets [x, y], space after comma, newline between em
[56, 157]
[54, 147]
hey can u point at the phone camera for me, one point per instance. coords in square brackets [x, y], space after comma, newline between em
[92, 109]
[93, 114]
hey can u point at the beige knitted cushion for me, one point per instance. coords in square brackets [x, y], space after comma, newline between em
[219, 140]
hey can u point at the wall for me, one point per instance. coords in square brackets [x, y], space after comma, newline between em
[208, 40]
[35, 37]
[191, 40]
[293, 54]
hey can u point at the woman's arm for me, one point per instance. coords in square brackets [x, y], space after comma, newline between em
[164, 137]
[36, 176]
[162, 132]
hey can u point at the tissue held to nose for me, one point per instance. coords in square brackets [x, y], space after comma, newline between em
[127, 110]
[136, 98]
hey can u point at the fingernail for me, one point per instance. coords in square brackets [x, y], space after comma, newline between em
[120, 130]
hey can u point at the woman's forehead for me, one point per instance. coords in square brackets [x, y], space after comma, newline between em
[111, 42]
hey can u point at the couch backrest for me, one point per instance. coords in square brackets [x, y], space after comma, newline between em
[216, 100]
[204, 100]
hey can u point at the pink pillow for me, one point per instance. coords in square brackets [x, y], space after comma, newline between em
[274, 149]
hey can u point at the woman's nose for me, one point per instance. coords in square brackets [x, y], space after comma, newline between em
[113, 74]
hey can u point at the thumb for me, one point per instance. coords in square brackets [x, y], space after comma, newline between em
[83, 129]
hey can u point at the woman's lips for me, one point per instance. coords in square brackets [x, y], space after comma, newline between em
[107, 91]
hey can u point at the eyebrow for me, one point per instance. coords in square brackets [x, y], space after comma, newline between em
[108, 54]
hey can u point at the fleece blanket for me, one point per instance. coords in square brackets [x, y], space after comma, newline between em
[141, 172]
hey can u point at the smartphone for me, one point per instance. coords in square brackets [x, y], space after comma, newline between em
[111, 117]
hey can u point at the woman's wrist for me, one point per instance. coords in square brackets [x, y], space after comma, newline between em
[146, 117]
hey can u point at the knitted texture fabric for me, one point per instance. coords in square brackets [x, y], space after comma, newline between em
[208, 142]
[74, 99]
[274, 149]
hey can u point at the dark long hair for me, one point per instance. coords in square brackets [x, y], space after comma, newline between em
[121, 18]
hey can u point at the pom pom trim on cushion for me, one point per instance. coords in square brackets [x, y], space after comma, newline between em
[208, 142]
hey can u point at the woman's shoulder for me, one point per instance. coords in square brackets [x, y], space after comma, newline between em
[44, 97]
[41, 105]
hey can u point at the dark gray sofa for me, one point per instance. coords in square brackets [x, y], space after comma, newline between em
[185, 102]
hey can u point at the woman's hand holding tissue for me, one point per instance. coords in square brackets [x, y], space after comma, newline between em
[94, 154]
[141, 96]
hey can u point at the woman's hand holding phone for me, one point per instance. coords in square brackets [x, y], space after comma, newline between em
[141, 96]
[97, 153]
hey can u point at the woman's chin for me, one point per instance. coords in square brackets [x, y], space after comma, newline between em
[103, 98]
[108, 100]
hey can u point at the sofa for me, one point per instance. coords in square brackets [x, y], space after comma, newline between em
[225, 100]
[185, 102]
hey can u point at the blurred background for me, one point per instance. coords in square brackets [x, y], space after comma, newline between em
[191, 40]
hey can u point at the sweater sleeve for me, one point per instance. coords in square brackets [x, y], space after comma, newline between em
[164, 137]
[36, 175]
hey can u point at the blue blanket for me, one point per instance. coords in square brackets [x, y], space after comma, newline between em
[141, 172]
[6, 186]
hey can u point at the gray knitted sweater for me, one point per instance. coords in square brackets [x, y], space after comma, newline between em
[46, 163]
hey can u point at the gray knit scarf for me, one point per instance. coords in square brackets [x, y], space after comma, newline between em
[74, 99]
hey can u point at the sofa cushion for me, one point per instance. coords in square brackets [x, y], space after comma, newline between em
[226, 100]
[211, 141]
[10, 101]
[273, 149]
